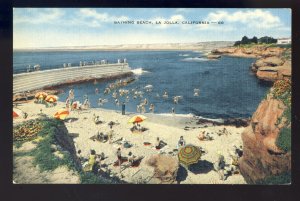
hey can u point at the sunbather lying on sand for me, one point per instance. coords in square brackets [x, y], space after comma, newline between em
[204, 136]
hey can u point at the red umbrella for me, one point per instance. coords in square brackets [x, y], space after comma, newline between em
[17, 112]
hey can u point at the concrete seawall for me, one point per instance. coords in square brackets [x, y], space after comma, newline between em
[49, 78]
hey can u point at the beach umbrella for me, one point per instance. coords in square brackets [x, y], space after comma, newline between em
[41, 95]
[51, 98]
[61, 114]
[189, 154]
[17, 113]
[137, 119]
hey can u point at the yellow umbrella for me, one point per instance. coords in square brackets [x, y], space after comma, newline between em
[51, 98]
[137, 119]
[61, 114]
[189, 154]
[41, 95]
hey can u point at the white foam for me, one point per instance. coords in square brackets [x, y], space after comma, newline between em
[215, 120]
[176, 115]
[197, 59]
[184, 55]
[139, 71]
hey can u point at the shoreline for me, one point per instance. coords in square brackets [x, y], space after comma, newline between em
[81, 128]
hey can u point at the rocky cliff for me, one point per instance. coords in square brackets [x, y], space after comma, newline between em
[274, 63]
[267, 140]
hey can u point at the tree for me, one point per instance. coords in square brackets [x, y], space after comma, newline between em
[267, 39]
[254, 39]
[245, 40]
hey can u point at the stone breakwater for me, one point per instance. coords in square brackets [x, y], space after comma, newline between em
[49, 78]
[273, 63]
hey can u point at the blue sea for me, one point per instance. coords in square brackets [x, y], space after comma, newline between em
[227, 87]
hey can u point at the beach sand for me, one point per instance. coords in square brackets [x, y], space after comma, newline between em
[168, 128]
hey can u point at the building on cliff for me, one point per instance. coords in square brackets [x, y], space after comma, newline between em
[284, 40]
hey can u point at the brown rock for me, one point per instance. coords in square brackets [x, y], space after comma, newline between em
[165, 167]
[261, 157]
[268, 75]
[269, 61]
[213, 56]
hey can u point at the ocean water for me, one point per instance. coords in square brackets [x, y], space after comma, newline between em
[227, 87]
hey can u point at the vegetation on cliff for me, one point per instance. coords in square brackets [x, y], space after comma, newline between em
[282, 91]
[263, 40]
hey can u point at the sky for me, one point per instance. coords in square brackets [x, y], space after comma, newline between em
[57, 27]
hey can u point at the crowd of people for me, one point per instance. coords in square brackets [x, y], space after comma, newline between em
[223, 168]
[121, 95]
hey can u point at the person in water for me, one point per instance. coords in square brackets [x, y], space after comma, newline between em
[173, 110]
[151, 108]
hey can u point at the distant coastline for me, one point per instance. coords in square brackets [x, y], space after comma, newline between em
[137, 47]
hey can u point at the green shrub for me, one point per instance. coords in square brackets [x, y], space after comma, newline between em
[283, 178]
[284, 139]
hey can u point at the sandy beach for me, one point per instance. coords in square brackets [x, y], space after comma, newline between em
[168, 128]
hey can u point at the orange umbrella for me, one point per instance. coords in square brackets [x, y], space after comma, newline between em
[41, 95]
[137, 119]
[17, 113]
[51, 98]
[61, 114]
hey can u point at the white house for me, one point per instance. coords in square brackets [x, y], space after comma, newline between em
[284, 41]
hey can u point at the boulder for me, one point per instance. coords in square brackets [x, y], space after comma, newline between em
[165, 167]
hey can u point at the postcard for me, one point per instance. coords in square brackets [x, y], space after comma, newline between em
[152, 96]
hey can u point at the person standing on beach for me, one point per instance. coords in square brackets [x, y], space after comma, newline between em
[123, 108]
[219, 166]
[67, 103]
[110, 134]
[181, 142]
[119, 156]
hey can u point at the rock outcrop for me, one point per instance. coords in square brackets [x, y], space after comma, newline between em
[262, 158]
[270, 66]
[213, 56]
[255, 51]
